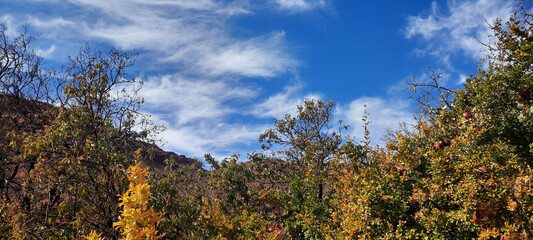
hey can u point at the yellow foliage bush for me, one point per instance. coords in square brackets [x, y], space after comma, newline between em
[137, 220]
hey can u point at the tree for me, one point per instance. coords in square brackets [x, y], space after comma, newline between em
[62, 167]
[21, 77]
[308, 141]
[75, 164]
[20, 67]
[177, 194]
[465, 171]
[99, 85]
[309, 136]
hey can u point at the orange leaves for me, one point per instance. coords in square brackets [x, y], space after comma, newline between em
[93, 236]
[512, 205]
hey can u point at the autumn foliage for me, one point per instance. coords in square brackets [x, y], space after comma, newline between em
[137, 219]
[463, 171]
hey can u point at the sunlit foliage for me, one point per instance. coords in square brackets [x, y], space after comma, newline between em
[137, 219]
[462, 172]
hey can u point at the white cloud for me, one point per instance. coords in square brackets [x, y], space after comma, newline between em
[221, 139]
[196, 112]
[193, 34]
[383, 114]
[7, 20]
[462, 78]
[459, 30]
[300, 5]
[187, 101]
[187, 4]
[45, 53]
[202, 106]
[277, 105]
[258, 57]
[50, 24]
[190, 34]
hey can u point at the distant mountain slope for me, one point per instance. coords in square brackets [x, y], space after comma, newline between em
[21, 115]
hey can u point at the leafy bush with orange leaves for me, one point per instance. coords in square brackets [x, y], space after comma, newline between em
[216, 224]
[465, 171]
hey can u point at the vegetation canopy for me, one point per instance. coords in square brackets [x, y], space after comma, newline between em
[71, 167]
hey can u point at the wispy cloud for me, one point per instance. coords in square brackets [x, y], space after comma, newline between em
[191, 34]
[300, 5]
[197, 114]
[186, 101]
[284, 102]
[218, 138]
[263, 56]
[457, 30]
[45, 53]
[50, 25]
[205, 90]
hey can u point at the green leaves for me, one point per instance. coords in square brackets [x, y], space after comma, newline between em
[310, 135]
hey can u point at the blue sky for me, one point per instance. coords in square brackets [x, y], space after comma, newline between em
[218, 72]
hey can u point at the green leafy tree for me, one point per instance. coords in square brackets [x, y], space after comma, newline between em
[76, 163]
[178, 192]
[307, 141]
[310, 136]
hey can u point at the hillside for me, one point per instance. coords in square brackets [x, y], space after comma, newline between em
[20, 115]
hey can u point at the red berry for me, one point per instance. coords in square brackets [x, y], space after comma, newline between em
[480, 215]
[438, 146]
[475, 219]
[483, 170]
[524, 94]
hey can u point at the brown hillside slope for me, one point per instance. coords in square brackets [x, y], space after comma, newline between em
[20, 115]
